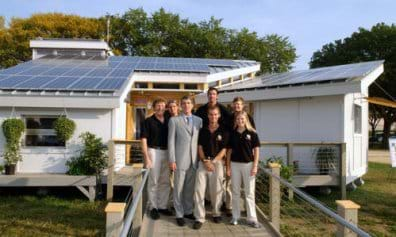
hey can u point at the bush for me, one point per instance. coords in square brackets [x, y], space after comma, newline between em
[1, 169]
[286, 171]
[64, 128]
[12, 130]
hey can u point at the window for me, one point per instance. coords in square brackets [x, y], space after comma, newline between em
[166, 86]
[190, 86]
[40, 131]
[140, 116]
[141, 85]
[357, 113]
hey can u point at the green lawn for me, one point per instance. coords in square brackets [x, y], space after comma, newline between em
[50, 216]
[377, 198]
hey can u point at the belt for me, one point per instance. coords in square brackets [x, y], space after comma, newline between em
[158, 147]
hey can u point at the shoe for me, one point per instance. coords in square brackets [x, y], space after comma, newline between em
[197, 225]
[165, 212]
[234, 221]
[154, 214]
[228, 212]
[180, 221]
[217, 219]
[190, 216]
[254, 224]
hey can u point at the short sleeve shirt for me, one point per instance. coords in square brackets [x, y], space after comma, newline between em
[242, 145]
[213, 143]
[155, 132]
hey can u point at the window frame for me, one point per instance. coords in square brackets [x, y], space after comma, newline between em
[39, 131]
[357, 121]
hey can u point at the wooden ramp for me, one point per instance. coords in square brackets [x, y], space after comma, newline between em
[166, 227]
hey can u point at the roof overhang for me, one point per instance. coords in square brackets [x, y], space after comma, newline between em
[69, 44]
[232, 73]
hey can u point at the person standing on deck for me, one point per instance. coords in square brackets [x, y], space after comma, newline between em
[183, 144]
[172, 111]
[154, 136]
[242, 165]
[212, 144]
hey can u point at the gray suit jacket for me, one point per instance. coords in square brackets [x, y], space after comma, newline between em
[183, 142]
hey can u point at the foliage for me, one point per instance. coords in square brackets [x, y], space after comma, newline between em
[92, 159]
[325, 159]
[64, 128]
[286, 171]
[12, 130]
[1, 169]
[377, 43]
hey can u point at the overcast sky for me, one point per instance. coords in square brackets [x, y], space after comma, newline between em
[308, 23]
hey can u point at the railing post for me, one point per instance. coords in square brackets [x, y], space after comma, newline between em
[275, 196]
[114, 218]
[349, 211]
[110, 171]
[342, 171]
[138, 218]
[290, 163]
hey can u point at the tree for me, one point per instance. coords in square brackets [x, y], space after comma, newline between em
[377, 43]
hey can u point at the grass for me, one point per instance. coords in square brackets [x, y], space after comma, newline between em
[377, 198]
[28, 215]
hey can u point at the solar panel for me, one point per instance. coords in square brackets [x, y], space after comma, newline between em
[61, 83]
[12, 81]
[58, 71]
[86, 83]
[35, 82]
[111, 83]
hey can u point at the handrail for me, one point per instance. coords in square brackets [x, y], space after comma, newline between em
[318, 205]
[130, 213]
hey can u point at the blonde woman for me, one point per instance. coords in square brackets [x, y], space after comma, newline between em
[242, 162]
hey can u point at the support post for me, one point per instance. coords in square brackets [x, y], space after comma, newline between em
[275, 196]
[290, 163]
[114, 218]
[138, 218]
[110, 172]
[349, 211]
[342, 170]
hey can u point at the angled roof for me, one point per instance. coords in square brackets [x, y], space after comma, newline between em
[341, 73]
[98, 74]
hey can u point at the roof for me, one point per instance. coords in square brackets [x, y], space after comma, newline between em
[98, 74]
[332, 74]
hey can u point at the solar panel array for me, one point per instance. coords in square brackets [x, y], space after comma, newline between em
[318, 75]
[79, 73]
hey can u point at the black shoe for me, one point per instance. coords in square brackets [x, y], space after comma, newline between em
[197, 225]
[154, 214]
[180, 221]
[165, 212]
[223, 207]
[190, 216]
[217, 219]
[228, 212]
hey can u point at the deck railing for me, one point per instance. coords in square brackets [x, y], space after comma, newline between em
[302, 215]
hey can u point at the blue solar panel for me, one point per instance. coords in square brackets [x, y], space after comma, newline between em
[58, 71]
[120, 73]
[99, 72]
[77, 72]
[111, 83]
[86, 83]
[35, 71]
[35, 82]
[12, 81]
[61, 83]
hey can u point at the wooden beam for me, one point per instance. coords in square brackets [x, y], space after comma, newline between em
[381, 101]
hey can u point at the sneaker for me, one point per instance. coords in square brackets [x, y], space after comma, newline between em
[154, 214]
[190, 216]
[180, 221]
[217, 219]
[165, 212]
[234, 221]
[197, 225]
[254, 224]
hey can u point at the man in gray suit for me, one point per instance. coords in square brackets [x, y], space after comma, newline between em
[182, 147]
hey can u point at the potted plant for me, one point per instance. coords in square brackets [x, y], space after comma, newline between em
[325, 159]
[64, 128]
[12, 130]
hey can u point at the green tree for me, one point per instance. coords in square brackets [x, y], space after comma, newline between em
[376, 43]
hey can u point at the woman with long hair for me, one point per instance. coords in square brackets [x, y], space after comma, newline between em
[242, 163]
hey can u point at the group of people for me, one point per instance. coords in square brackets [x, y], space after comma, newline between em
[208, 154]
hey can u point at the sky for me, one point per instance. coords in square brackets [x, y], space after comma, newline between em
[309, 24]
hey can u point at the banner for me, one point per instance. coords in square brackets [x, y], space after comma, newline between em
[392, 150]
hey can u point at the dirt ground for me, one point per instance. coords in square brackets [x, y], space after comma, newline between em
[379, 156]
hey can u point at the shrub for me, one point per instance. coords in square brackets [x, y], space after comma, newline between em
[286, 171]
[12, 130]
[64, 128]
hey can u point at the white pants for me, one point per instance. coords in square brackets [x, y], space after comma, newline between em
[158, 185]
[215, 182]
[183, 191]
[240, 173]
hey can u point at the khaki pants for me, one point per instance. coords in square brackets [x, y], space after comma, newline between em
[158, 186]
[215, 182]
[240, 174]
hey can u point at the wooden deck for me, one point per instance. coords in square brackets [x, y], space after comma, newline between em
[166, 227]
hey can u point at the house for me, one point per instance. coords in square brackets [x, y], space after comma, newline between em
[106, 95]
[323, 106]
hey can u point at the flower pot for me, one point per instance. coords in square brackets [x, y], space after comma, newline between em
[10, 169]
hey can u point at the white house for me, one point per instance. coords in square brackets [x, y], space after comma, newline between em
[323, 105]
[106, 95]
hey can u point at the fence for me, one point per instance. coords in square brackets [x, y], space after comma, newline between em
[302, 215]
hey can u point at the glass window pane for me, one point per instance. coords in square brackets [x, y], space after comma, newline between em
[140, 115]
[358, 118]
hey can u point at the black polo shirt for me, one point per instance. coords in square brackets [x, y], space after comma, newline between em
[225, 115]
[242, 145]
[213, 143]
[155, 132]
[251, 120]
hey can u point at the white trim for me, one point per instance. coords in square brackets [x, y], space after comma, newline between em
[69, 44]
[169, 77]
[232, 73]
[371, 77]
